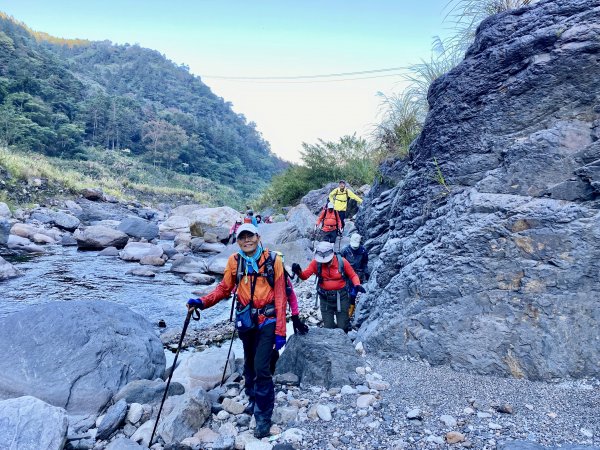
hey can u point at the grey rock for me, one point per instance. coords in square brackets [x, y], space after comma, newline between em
[503, 260]
[186, 418]
[147, 391]
[112, 420]
[199, 278]
[141, 272]
[97, 237]
[57, 218]
[188, 264]
[109, 251]
[27, 423]
[200, 246]
[317, 198]
[93, 194]
[23, 244]
[139, 228]
[5, 211]
[76, 354]
[7, 270]
[525, 445]
[224, 443]
[68, 240]
[321, 357]
[124, 444]
[135, 251]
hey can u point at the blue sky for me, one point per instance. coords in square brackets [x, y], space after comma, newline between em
[266, 38]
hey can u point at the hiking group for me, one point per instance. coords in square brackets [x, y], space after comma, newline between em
[262, 290]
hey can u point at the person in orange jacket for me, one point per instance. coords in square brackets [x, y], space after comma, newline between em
[333, 274]
[259, 283]
[330, 223]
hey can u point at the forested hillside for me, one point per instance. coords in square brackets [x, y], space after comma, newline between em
[59, 97]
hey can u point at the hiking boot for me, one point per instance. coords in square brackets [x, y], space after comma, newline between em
[262, 429]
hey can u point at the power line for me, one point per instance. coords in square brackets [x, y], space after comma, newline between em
[297, 77]
[311, 81]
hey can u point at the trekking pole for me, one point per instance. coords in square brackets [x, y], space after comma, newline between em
[189, 315]
[228, 354]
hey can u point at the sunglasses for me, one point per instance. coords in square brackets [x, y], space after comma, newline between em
[246, 237]
[325, 253]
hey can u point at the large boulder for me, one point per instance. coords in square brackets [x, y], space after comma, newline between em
[139, 228]
[27, 423]
[22, 244]
[323, 357]
[97, 237]
[57, 218]
[485, 242]
[303, 221]
[174, 226]
[206, 218]
[76, 354]
[317, 198]
[7, 270]
[189, 264]
[135, 251]
[5, 211]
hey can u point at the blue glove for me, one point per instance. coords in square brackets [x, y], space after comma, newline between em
[279, 342]
[359, 288]
[195, 303]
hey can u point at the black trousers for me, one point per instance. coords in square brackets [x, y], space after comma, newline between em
[329, 236]
[258, 349]
[342, 217]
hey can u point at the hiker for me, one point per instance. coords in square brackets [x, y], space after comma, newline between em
[333, 273]
[339, 196]
[250, 218]
[233, 230]
[356, 254]
[259, 280]
[330, 223]
[258, 218]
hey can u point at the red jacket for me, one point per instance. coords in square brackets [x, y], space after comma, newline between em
[263, 293]
[329, 221]
[332, 278]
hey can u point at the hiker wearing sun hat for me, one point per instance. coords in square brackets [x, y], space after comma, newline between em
[333, 274]
[356, 254]
[260, 301]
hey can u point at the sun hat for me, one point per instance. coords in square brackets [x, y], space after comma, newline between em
[355, 241]
[324, 252]
[329, 205]
[246, 227]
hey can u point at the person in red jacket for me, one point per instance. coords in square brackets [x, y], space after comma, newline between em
[333, 274]
[330, 223]
[259, 282]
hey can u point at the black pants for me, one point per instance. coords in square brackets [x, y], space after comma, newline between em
[258, 349]
[329, 236]
[342, 217]
[334, 317]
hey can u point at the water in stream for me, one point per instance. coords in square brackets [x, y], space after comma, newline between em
[64, 274]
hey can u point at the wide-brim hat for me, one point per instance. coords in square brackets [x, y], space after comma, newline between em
[246, 227]
[324, 252]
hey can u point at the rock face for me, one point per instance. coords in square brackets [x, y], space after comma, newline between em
[27, 423]
[76, 354]
[493, 269]
[322, 357]
[97, 237]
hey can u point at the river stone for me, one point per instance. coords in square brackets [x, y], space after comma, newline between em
[186, 418]
[134, 251]
[323, 357]
[23, 244]
[366, 400]
[153, 261]
[204, 369]
[109, 251]
[147, 391]
[135, 412]
[502, 260]
[189, 264]
[113, 418]
[27, 423]
[5, 227]
[173, 226]
[200, 246]
[7, 270]
[60, 219]
[76, 354]
[526, 445]
[40, 238]
[324, 412]
[142, 272]
[123, 443]
[97, 237]
[24, 230]
[143, 433]
[285, 414]
[139, 228]
[68, 240]
[93, 194]
[199, 278]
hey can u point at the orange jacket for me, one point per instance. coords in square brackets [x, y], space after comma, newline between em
[329, 221]
[263, 293]
[332, 278]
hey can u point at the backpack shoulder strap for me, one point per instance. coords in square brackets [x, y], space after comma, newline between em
[341, 264]
[239, 271]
